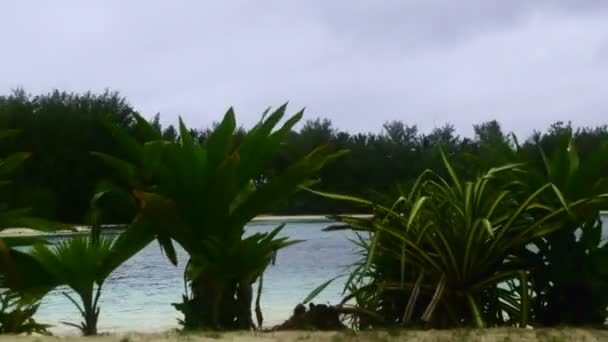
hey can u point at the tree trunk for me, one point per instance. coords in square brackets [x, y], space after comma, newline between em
[213, 304]
[206, 302]
[91, 314]
[244, 299]
[90, 323]
[220, 306]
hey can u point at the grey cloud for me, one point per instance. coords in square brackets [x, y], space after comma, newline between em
[526, 63]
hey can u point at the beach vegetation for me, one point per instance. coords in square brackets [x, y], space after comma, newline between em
[484, 251]
[201, 195]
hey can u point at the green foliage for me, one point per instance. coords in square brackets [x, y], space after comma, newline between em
[58, 130]
[16, 309]
[568, 280]
[76, 261]
[60, 176]
[80, 262]
[10, 217]
[445, 252]
[16, 315]
[201, 193]
[569, 277]
[200, 187]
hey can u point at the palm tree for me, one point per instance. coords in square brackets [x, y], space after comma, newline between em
[82, 263]
[78, 262]
[202, 194]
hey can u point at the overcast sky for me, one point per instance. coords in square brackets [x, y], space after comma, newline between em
[525, 63]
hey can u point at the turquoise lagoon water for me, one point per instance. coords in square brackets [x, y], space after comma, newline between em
[137, 296]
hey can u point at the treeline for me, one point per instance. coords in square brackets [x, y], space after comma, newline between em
[60, 130]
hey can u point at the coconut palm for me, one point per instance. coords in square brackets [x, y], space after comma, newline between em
[202, 194]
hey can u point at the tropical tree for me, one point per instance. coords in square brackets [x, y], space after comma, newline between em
[81, 262]
[76, 263]
[60, 176]
[201, 194]
[16, 310]
[12, 218]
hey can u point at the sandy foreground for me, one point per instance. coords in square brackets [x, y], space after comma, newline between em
[485, 335]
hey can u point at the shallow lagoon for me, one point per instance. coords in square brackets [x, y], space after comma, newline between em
[137, 296]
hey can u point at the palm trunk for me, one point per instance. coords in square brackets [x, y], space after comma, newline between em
[244, 297]
[89, 328]
[208, 305]
[219, 305]
[91, 312]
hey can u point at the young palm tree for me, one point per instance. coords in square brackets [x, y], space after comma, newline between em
[201, 195]
[79, 263]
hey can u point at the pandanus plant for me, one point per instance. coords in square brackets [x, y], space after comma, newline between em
[445, 252]
[568, 277]
[201, 195]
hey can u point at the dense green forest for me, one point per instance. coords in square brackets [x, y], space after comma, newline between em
[483, 231]
[60, 130]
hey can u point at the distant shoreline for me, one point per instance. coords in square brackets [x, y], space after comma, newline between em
[262, 219]
[301, 218]
[81, 229]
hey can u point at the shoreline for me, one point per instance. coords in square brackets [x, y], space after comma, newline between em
[301, 218]
[81, 229]
[258, 220]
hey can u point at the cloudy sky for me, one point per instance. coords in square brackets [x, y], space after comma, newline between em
[525, 63]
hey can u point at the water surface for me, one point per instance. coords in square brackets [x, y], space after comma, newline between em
[137, 296]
